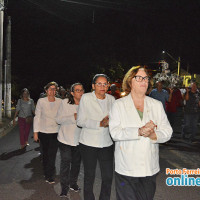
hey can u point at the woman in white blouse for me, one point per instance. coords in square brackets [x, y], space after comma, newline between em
[95, 140]
[45, 124]
[68, 137]
[137, 124]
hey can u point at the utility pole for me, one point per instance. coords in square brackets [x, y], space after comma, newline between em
[7, 104]
[5, 81]
[179, 65]
[1, 53]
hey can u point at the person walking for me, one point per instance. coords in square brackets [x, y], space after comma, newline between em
[62, 92]
[114, 92]
[95, 141]
[137, 124]
[160, 94]
[25, 110]
[46, 129]
[191, 111]
[68, 137]
[173, 107]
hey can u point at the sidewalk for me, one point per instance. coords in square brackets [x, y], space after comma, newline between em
[6, 124]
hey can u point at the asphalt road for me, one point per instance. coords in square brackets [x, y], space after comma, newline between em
[21, 175]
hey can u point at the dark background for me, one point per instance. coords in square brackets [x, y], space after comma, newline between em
[70, 41]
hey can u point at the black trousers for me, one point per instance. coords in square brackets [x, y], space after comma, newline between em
[90, 155]
[70, 165]
[135, 188]
[49, 147]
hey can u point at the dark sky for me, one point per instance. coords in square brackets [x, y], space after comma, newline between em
[61, 41]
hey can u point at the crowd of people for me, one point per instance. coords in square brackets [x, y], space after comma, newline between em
[176, 101]
[101, 126]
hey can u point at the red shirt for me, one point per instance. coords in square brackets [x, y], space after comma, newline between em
[116, 94]
[175, 101]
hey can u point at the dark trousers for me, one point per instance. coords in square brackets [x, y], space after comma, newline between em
[190, 123]
[135, 188]
[90, 155]
[49, 147]
[171, 117]
[40, 145]
[70, 165]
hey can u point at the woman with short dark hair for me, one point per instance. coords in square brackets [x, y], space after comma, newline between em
[45, 124]
[95, 141]
[25, 109]
[68, 137]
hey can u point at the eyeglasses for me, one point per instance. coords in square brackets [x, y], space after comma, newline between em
[78, 91]
[140, 78]
[102, 84]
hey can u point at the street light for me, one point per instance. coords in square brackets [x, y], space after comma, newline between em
[177, 61]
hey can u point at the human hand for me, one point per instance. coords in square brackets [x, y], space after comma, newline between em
[75, 116]
[14, 122]
[35, 137]
[145, 131]
[171, 90]
[148, 129]
[104, 122]
[150, 125]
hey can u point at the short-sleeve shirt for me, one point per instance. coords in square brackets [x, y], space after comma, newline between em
[162, 96]
[25, 108]
[192, 105]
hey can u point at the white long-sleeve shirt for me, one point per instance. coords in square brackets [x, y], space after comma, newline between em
[90, 113]
[68, 133]
[135, 155]
[45, 116]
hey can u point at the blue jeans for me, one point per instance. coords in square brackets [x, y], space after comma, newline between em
[190, 123]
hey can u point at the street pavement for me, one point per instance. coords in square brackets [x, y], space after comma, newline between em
[21, 175]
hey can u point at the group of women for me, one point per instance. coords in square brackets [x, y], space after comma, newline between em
[90, 123]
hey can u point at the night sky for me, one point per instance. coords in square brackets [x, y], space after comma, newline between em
[68, 41]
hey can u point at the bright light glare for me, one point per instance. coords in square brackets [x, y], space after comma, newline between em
[123, 94]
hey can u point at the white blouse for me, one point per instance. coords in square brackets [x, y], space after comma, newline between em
[68, 133]
[90, 113]
[45, 116]
[135, 155]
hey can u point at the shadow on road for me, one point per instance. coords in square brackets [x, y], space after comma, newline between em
[172, 146]
[40, 189]
[18, 152]
[179, 144]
